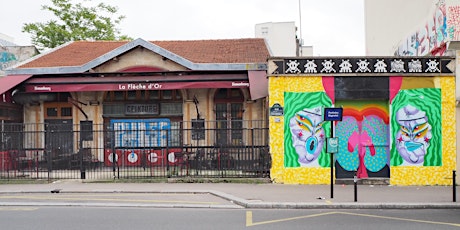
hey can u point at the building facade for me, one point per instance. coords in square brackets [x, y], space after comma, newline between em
[80, 91]
[397, 119]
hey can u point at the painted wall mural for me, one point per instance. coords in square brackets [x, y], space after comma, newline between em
[305, 129]
[363, 139]
[397, 127]
[416, 128]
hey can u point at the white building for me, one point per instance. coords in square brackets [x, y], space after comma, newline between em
[282, 39]
[387, 22]
[416, 28]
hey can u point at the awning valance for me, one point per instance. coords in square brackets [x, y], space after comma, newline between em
[10, 81]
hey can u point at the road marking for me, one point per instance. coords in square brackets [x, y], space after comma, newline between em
[250, 222]
[106, 199]
[403, 219]
[17, 209]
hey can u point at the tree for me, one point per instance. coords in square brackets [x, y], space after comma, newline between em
[75, 22]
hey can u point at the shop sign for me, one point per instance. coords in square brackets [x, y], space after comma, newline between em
[142, 109]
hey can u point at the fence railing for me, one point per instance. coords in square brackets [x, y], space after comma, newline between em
[134, 149]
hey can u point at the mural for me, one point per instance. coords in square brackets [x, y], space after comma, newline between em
[363, 139]
[430, 39]
[400, 127]
[416, 123]
[305, 129]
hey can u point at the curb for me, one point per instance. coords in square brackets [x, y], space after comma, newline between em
[236, 201]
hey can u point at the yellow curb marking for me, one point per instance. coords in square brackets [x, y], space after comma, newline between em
[249, 220]
[402, 219]
[250, 223]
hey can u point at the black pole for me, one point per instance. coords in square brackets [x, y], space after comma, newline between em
[332, 163]
[454, 187]
[355, 181]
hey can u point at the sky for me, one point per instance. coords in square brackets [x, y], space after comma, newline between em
[332, 27]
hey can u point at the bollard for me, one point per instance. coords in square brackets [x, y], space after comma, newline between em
[454, 187]
[355, 181]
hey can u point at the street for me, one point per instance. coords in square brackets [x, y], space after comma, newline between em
[113, 218]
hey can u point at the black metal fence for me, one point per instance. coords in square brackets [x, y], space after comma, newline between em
[134, 149]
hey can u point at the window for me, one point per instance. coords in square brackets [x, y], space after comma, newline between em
[143, 95]
[229, 116]
[58, 110]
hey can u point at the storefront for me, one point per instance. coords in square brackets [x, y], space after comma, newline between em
[80, 91]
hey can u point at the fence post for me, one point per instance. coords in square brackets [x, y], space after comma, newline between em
[355, 182]
[454, 187]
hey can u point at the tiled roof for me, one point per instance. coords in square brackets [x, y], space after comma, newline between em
[250, 50]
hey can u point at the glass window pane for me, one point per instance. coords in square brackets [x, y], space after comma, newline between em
[143, 93]
[51, 112]
[237, 111]
[221, 94]
[119, 95]
[178, 95]
[66, 111]
[131, 95]
[167, 94]
[221, 111]
[154, 94]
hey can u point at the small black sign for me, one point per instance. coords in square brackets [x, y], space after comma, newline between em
[276, 110]
[198, 129]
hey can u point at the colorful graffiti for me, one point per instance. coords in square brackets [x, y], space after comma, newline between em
[433, 35]
[363, 138]
[6, 58]
[415, 124]
[453, 23]
[305, 129]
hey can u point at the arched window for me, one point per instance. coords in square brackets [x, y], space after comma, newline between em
[229, 116]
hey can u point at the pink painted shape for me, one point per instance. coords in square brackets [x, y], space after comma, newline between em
[364, 141]
[328, 84]
[395, 86]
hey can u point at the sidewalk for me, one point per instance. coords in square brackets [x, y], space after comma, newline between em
[272, 195]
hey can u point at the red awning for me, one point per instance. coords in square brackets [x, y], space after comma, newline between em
[258, 84]
[123, 86]
[135, 81]
[9, 82]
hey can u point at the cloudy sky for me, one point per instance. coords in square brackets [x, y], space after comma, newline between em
[332, 27]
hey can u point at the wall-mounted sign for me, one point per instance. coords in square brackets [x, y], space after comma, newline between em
[142, 109]
[333, 114]
[332, 145]
[198, 129]
[276, 110]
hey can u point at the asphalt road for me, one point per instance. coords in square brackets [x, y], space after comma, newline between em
[200, 200]
[114, 218]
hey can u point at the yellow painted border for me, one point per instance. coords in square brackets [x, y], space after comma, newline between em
[411, 175]
[401, 175]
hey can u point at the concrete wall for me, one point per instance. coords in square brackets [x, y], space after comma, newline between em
[388, 22]
[12, 55]
[280, 36]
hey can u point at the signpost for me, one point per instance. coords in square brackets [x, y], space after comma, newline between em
[332, 144]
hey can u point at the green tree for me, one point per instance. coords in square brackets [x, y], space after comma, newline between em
[75, 22]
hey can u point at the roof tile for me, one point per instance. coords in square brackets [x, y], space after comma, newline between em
[78, 53]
